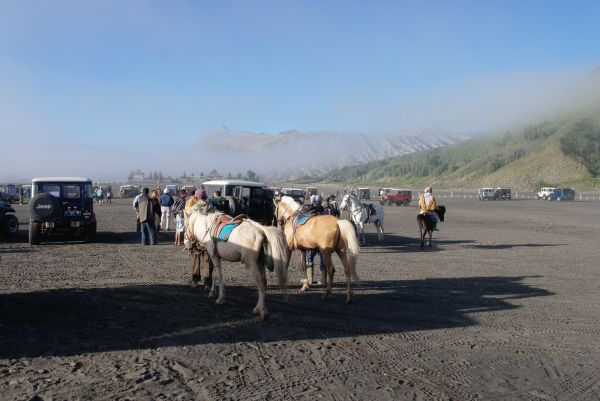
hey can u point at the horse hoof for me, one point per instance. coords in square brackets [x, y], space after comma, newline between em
[219, 302]
[348, 301]
[304, 287]
[211, 294]
[327, 295]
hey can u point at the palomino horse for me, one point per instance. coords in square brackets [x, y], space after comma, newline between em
[326, 233]
[254, 245]
[361, 215]
[426, 224]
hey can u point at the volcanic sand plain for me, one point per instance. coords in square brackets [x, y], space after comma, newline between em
[504, 306]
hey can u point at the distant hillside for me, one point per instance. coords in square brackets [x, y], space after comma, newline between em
[564, 151]
[298, 154]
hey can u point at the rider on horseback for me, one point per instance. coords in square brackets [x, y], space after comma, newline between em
[427, 206]
[331, 206]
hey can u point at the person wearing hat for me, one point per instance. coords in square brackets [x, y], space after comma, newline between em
[165, 201]
[427, 206]
[202, 265]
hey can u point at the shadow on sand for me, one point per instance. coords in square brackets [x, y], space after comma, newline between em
[397, 243]
[64, 322]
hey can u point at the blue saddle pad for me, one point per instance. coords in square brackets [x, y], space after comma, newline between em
[226, 232]
[302, 219]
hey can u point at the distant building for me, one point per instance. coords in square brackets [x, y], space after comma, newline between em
[137, 176]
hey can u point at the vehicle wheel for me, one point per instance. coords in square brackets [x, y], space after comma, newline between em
[35, 234]
[44, 207]
[390, 202]
[90, 233]
[9, 225]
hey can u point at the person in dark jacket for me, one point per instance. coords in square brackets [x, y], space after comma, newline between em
[144, 208]
[165, 201]
[155, 209]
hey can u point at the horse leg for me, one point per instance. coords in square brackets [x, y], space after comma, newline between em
[219, 278]
[361, 228]
[379, 225]
[422, 232]
[260, 276]
[305, 281]
[430, 234]
[326, 255]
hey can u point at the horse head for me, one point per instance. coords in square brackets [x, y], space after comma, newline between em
[285, 208]
[344, 203]
[441, 211]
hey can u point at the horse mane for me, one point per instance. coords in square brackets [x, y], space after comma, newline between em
[290, 202]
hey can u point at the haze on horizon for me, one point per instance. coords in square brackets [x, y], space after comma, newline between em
[99, 89]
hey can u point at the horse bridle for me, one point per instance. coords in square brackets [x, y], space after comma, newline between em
[283, 221]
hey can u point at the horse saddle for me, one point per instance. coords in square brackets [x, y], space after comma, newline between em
[301, 219]
[428, 219]
[370, 210]
[226, 225]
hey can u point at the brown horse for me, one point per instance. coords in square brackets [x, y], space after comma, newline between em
[326, 233]
[426, 224]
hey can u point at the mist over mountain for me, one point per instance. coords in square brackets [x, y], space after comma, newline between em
[562, 149]
[293, 154]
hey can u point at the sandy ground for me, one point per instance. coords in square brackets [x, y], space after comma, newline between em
[505, 306]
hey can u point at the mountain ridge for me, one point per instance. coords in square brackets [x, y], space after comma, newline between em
[293, 154]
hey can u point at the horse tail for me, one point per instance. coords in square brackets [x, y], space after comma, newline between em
[348, 235]
[274, 251]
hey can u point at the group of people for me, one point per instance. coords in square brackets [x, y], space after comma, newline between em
[154, 213]
[101, 194]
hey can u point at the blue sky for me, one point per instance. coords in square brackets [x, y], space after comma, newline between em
[106, 73]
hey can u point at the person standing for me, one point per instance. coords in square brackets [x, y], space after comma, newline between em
[165, 201]
[156, 210]
[145, 214]
[177, 210]
[109, 195]
[100, 196]
[21, 194]
[202, 265]
[134, 203]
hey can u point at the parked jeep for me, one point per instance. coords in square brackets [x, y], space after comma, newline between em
[251, 198]
[9, 193]
[9, 224]
[393, 196]
[486, 194]
[562, 194]
[61, 205]
[502, 194]
[545, 192]
[364, 194]
[295, 193]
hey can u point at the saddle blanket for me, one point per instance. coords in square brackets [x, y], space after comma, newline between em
[225, 225]
[225, 231]
[300, 220]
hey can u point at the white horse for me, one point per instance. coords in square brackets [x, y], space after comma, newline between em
[360, 216]
[251, 243]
